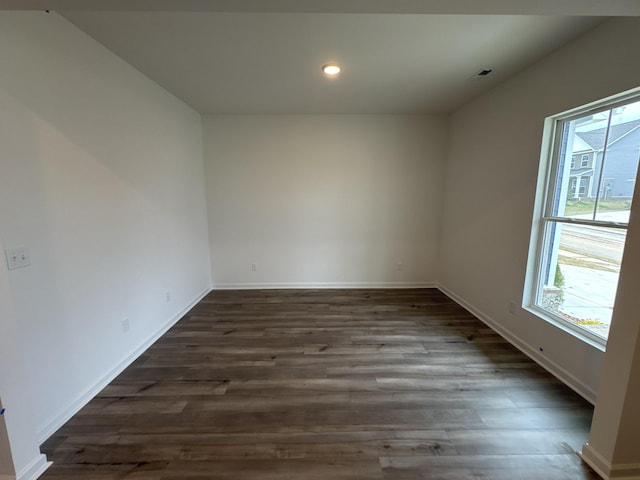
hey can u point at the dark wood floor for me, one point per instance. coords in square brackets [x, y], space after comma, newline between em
[327, 385]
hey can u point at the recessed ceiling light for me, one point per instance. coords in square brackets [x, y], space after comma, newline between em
[331, 69]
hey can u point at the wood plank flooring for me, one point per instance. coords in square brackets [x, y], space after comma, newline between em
[331, 385]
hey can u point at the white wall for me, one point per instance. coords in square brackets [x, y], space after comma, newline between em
[494, 151]
[334, 200]
[102, 180]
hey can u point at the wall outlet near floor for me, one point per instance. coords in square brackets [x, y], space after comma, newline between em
[512, 308]
[399, 266]
[125, 325]
[167, 296]
[254, 267]
[17, 258]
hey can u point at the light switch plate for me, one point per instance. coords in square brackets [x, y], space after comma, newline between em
[17, 258]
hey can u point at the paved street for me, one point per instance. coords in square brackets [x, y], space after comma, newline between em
[600, 243]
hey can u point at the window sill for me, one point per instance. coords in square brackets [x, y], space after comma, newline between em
[580, 333]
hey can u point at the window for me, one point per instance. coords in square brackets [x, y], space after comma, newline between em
[582, 191]
[578, 188]
[584, 161]
[581, 221]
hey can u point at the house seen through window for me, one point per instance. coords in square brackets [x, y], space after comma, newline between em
[585, 205]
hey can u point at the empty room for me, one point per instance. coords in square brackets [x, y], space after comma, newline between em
[308, 240]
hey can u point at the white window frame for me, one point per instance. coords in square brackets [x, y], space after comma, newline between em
[546, 183]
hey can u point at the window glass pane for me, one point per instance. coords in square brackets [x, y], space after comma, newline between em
[594, 181]
[576, 189]
[617, 181]
[581, 274]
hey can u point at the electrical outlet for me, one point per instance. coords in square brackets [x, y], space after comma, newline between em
[512, 308]
[17, 258]
[167, 296]
[254, 267]
[399, 266]
[125, 325]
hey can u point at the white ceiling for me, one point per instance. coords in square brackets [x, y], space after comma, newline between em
[271, 62]
[264, 56]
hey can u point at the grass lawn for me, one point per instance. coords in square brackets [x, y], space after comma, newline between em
[586, 263]
[577, 207]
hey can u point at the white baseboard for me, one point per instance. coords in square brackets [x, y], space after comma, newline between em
[49, 429]
[35, 468]
[595, 461]
[556, 370]
[338, 285]
[605, 469]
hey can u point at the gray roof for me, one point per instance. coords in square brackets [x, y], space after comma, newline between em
[595, 138]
